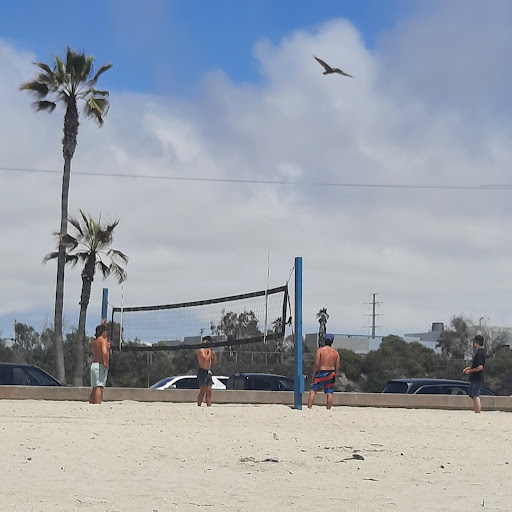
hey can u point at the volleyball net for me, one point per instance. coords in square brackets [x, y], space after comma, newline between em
[230, 321]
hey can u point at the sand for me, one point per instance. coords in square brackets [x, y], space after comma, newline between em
[129, 456]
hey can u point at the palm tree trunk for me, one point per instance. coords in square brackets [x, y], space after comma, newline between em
[87, 279]
[68, 150]
[59, 306]
[61, 263]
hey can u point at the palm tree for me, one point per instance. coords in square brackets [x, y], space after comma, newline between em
[90, 246]
[68, 83]
[322, 316]
[277, 327]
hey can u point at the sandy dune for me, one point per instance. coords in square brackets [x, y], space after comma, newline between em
[129, 456]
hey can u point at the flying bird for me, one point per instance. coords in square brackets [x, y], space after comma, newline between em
[329, 70]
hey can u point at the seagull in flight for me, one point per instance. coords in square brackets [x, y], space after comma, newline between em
[329, 70]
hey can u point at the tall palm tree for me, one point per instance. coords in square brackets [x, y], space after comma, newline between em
[90, 246]
[322, 316]
[68, 83]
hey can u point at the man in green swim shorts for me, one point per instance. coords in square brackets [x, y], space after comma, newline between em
[99, 367]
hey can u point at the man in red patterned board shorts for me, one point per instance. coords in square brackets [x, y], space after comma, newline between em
[327, 364]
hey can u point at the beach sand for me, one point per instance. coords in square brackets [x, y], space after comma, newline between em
[130, 456]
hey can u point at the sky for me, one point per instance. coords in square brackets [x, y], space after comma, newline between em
[226, 154]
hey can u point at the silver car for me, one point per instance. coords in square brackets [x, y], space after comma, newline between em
[188, 382]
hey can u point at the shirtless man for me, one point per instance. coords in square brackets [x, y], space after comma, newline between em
[99, 367]
[206, 357]
[327, 364]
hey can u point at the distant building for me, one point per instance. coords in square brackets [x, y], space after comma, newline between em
[359, 344]
[429, 338]
[6, 342]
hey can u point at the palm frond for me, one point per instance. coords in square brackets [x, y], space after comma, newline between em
[77, 226]
[60, 70]
[72, 259]
[51, 256]
[44, 105]
[70, 242]
[100, 71]
[90, 225]
[83, 256]
[118, 271]
[39, 89]
[95, 92]
[75, 62]
[113, 253]
[96, 108]
[44, 78]
[104, 269]
[87, 68]
[103, 239]
[47, 69]
[110, 228]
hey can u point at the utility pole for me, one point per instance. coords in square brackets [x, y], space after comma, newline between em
[373, 314]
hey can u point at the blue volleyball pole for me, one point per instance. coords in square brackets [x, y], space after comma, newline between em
[298, 385]
[104, 305]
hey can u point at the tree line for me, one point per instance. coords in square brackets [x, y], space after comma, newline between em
[395, 358]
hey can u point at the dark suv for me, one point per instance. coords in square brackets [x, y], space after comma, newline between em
[431, 387]
[259, 382]
[13, 374]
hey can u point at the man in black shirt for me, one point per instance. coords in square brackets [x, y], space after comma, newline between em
[476, 372]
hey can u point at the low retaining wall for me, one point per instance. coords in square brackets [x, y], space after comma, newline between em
[79, 394]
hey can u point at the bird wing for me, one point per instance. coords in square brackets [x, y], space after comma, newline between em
[341, 72]
[324, 64]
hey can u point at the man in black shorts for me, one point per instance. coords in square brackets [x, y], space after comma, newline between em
[476, 372]
[206, 358]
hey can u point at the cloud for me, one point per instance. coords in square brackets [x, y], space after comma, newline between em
[428, 253]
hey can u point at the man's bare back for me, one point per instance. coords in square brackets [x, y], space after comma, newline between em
[327, 358]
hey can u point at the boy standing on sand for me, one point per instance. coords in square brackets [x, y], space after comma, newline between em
[99, 368]
[206, 357]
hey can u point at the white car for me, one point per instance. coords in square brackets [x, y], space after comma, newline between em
[188, 382]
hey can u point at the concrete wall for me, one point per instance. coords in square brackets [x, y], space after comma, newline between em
[489, 403]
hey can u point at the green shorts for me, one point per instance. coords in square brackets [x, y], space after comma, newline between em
[98, 375]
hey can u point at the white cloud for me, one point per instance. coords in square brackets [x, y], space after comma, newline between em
[428, 253]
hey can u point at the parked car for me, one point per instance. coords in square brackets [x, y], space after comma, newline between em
[431, 387]
[14, 374]
[188, 382]
[259, 382]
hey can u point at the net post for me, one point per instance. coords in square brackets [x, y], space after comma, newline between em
[298, 377]
[104, 305]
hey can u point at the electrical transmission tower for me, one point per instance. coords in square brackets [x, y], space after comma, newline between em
[373, 314]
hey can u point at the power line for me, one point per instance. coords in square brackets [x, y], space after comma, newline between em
[271, 182]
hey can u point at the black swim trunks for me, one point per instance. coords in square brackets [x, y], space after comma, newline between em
[204, 378]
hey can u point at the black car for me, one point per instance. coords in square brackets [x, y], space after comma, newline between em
[431, 387]
[259, 382]
[14, 374]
